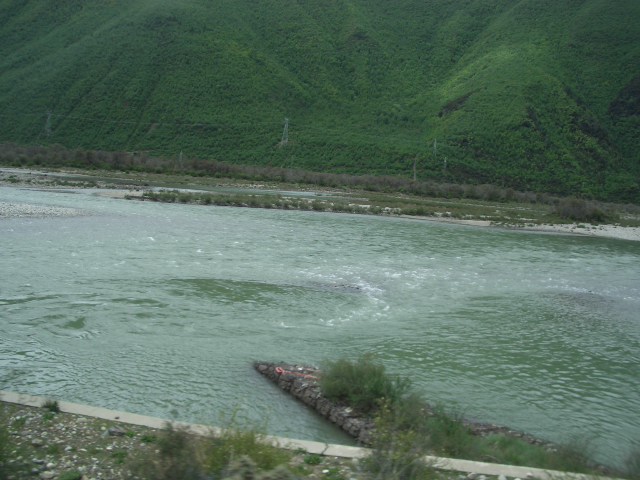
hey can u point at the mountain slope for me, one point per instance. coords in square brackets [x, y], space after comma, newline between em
[533, 94]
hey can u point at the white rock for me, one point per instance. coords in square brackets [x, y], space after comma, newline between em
[502, 477]
[472, 476]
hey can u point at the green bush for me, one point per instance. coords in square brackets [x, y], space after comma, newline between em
[4, 448]
[580, 210]
[363, 384]
[72, 475]
[399, 448]
[235, 442]
[313, 459]
[449, 436]
[245, 469]
[177, 457]
[181, 455]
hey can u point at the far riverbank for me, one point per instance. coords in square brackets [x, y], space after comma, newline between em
[525, 217]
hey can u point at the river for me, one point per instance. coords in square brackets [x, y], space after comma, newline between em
[160, 309]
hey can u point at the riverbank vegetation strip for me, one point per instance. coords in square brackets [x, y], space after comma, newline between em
[388, 194]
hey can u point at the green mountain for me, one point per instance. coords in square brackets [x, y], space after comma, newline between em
[532, 94]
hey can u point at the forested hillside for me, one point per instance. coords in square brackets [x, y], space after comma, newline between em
[531, 94]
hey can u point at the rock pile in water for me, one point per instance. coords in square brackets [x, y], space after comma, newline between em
[302, 383]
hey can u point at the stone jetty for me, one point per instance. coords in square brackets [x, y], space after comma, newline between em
[302, 383]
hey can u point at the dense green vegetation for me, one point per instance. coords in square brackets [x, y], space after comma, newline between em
[538, 95]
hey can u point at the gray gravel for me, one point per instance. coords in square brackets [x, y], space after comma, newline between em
[12, 210]
[43, 445]
[46, 446]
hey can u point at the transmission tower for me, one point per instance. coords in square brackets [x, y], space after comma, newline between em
[285, 133]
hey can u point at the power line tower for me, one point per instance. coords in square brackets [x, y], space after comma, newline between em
[285, 133]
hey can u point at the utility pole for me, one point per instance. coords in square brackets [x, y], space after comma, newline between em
[285, 133]
[415, 159]
[435, 150]
[47, 125]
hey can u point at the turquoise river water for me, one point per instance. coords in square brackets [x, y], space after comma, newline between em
[160, 309]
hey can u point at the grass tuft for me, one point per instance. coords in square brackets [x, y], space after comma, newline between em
[51, 405]
[235, 453]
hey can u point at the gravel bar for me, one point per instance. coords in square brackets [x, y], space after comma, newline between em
[21, 210]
